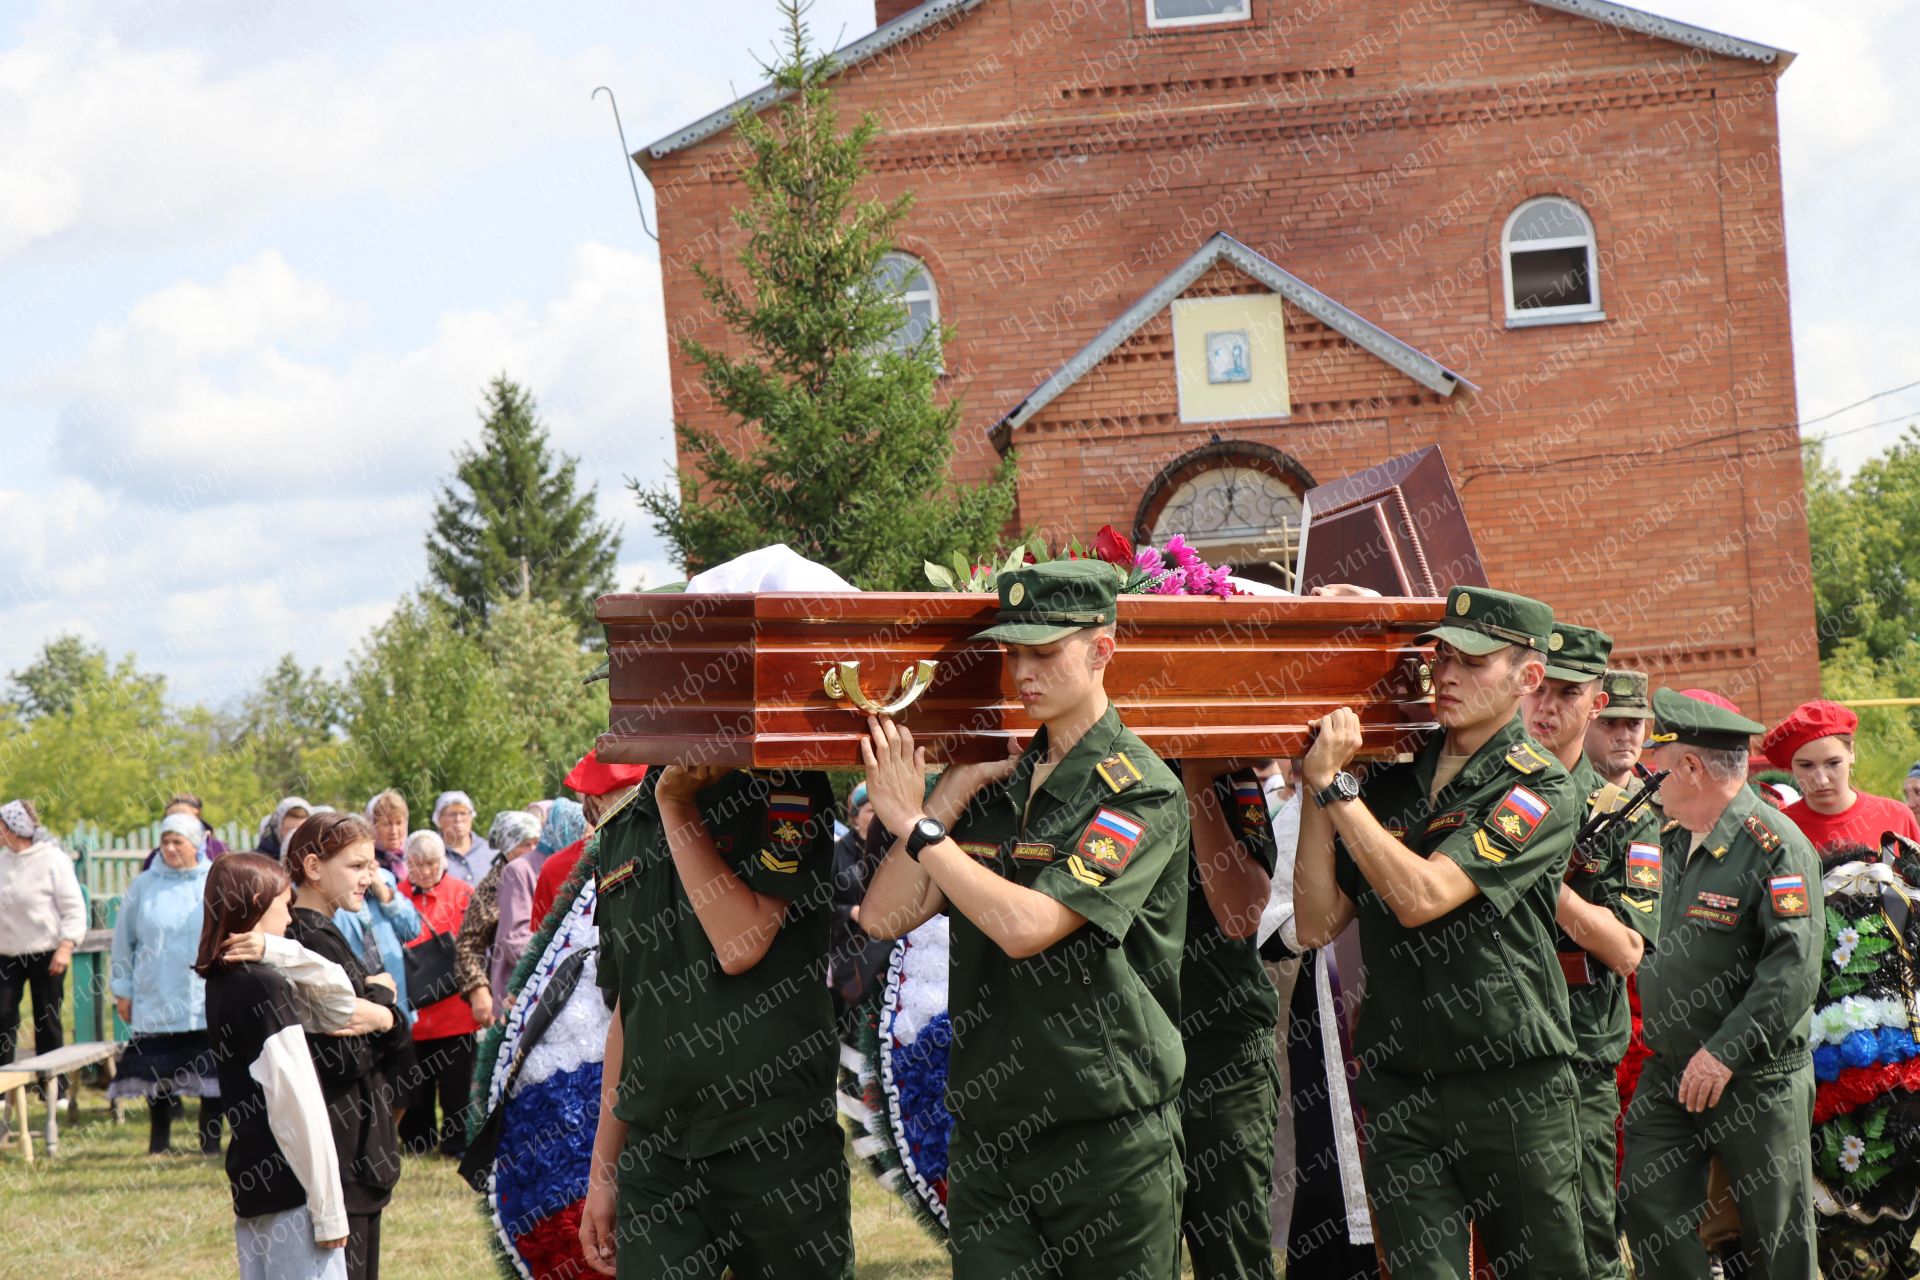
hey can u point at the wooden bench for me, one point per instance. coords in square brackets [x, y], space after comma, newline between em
[44, 1069]
[13, 1088]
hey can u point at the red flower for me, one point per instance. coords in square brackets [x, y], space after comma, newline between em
[1112, 547]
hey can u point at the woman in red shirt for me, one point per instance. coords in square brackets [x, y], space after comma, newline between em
[443, 1034]
[1815, 744]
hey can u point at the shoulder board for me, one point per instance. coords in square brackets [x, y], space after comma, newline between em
[1762, 834]
[1527, 758]
[1118, 772]
[619, 806]
[1671, 824]
[1607, 798]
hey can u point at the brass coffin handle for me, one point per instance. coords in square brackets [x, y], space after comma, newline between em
[842, 684]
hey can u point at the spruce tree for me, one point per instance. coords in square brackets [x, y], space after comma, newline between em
[513, 520]
[841, 448]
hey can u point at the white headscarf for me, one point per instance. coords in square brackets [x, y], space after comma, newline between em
[446, 798]
[187, 827]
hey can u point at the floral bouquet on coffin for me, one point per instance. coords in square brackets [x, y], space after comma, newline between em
[1143, 571]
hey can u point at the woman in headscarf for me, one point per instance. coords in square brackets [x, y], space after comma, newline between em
[514, 833]
[277, 826]
[565, 823]
[469, 857]
[43, 917]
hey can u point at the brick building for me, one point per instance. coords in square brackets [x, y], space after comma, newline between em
[1199, 255]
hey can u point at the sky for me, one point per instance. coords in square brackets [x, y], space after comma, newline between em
[259, 258]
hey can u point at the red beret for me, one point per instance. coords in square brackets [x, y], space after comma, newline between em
[1808, 721]
[592, 778]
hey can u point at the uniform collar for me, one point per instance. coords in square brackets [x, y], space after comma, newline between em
[1095, 745]
[1720, 839]
[1494, 748]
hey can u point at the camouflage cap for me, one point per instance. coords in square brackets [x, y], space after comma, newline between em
[1042, 603]
[1692, 720]
[1481, 620]
[1578, 654]
[1626, 695]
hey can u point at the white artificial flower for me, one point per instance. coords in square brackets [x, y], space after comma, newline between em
[1848, 937]
[1842, 957]
[1852, 1147]
[1858, 1013]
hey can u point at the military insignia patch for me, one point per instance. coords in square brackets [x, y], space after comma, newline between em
[977, 849]
[1643, 865]
[611, 880]
[787, 816]
[1720, 901]
[1118, 772]
[1251, 801]
[1080, 871]
[1488, 849]
[1526, 758]
[1762, 835]
[1448, 821]
[1789, 894]
[1109, 840]
[1643, 905]
[1519, 815]
[1033, 852]
[773, 862]
[1712, 916]
[1396, 831]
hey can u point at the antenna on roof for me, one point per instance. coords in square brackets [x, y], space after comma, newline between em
[626, 159]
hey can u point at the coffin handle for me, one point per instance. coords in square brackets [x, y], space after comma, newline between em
[842, 684]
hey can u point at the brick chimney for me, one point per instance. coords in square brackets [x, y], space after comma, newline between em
[885, 11]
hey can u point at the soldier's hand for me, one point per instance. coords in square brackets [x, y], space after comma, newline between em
[1336, 741]
[679, 782]
[1704, 1080]
[896, 774]
[596, 1228]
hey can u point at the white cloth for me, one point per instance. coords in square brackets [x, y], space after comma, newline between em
[325, 991]
[775, 568]
[40, 902]
[297, 1115]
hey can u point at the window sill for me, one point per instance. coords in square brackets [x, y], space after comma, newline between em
[1539, 322]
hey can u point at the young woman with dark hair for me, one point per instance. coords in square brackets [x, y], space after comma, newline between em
[330, 859]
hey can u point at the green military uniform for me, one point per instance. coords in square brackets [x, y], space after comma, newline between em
[1622, 874]
[1463, 1041]
[1229, 1104]
[1065, 1067]
[734, 1154]
[1736, 973]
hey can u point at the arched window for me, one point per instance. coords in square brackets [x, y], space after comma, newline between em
[1236, 501]
[1551, 264]
[907, 278]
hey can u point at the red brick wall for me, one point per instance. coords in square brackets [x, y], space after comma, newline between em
[1639, 473]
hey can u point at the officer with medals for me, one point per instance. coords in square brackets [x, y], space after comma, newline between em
[1453, 866]
[1616, 736]
[1609, 916]
[1228, 1010]
[718, 1144]
[1064, 873]
[1725, 1003]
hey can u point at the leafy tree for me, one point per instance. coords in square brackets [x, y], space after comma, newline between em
[1865, 534]
[513, 518]
[52, 682]
[283, 721]
[538, 668]
[841, 451]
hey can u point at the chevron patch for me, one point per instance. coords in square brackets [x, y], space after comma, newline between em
[772, 862]
[1079, 870]
[1488, 849]
[1645, 907]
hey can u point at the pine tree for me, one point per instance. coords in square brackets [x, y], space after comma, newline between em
[844, 454]
[512, 519]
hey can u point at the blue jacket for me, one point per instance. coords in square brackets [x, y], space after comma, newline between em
[393, 924]
[154, 943]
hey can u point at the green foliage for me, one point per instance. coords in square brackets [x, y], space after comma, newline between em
[1888, 740]
[841, 450]
[512, 520]
[52, 682]
[1865, 534]
[287, 725]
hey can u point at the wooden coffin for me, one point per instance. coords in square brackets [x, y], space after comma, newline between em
[745, 680]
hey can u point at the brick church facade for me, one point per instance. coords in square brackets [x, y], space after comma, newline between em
[1200, 255]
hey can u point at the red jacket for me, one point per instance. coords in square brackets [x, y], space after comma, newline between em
[553, 877]
[441, 909]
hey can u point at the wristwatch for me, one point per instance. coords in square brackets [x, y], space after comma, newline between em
[1343, 787]
[923, 833]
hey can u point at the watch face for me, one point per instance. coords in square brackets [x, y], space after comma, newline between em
[930, 830]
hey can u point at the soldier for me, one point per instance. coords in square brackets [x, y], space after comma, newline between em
[1452, 864]
[1228, 1010]
[1725, 1002]
[718, 1142]
[1609, 916]
[1065, 878]
[1615, 738]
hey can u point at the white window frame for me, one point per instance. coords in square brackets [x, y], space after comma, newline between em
[1157, 23]
[930, 295]
[1580, 313]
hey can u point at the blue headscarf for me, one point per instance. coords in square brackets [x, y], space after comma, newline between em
[566, 822]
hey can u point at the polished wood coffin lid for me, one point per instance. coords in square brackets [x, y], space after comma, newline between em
[738, 679]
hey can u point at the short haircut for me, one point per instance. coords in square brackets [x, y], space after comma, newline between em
[388, 804]
[240, 888]
[325, 836]
[1724, 764]
[426, 844]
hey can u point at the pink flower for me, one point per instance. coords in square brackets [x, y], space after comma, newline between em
[1172, 585]
[1199, 578]
[1183, 555]
[1221, 587]
[1147, 560]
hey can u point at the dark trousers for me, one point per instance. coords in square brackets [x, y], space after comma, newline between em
[442, 1069]
[17, 973]
[162, 1109]
[363, 1246]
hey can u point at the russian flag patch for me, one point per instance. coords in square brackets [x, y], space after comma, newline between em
[1251, 800]
[1519, 815]
[1643, 865]
[787, 816]
[1789, 895]
[1109, 840]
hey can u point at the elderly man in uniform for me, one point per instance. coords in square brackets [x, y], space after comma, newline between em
[1725, 1002]
[1453, 866]
[1609, 916]
[1065, 878]
[1617, 734]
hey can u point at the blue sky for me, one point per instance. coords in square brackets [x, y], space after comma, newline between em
[257, 262]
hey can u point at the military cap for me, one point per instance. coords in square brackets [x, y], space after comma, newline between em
[1697, 718]
[1481, 620]
[1578, 654]
[1626, 696]
[1042, 603]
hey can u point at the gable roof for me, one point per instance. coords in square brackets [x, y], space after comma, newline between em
[1221, 247]
[934, 12]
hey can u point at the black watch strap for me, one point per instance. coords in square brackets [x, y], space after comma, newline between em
[925, 832]
[1343, 787]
